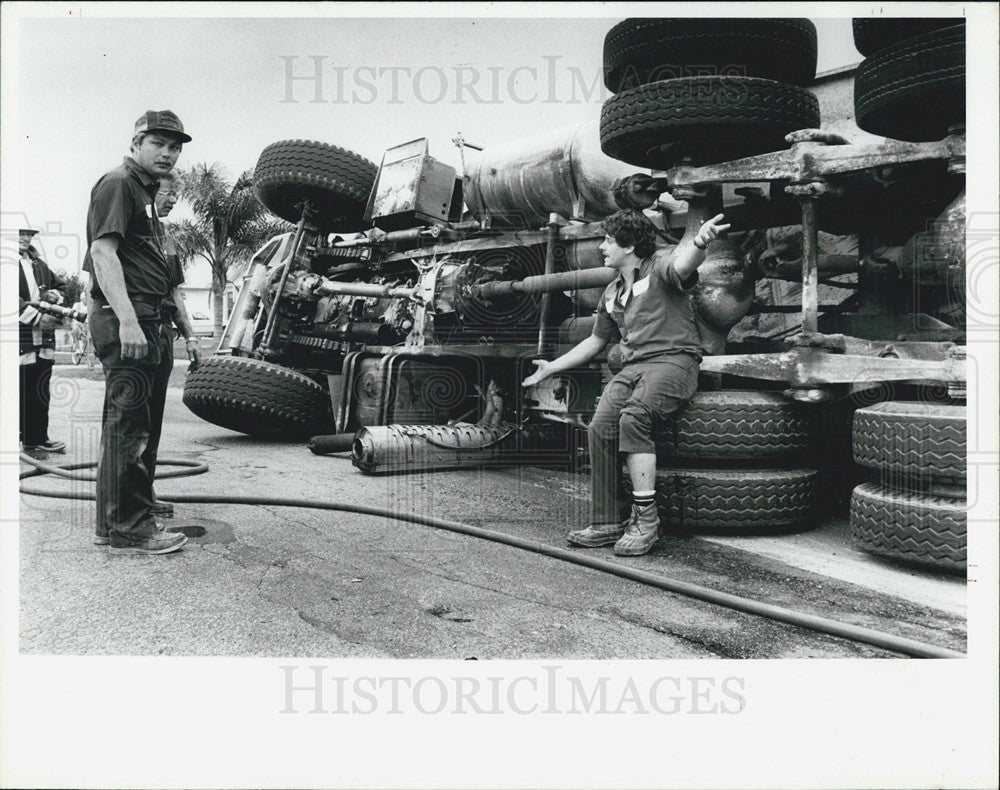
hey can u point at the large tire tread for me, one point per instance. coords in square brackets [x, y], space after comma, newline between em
[644, 50]
[711, 119]
[912, 442]
[737, 424]
[735, 500]
[913, 90]
[257, 398]
[873, 35]
[908, 526]
[336, 181]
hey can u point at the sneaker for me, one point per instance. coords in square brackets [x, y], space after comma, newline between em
[596, 535]
[642, 533]
[102, 539]
[52, 446]
[161, 508]
[36, 451]
[160, 543]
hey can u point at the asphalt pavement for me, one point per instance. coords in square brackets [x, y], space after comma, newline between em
[280, 581]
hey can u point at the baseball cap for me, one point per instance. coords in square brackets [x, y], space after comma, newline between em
[162, 121]
[26, 232]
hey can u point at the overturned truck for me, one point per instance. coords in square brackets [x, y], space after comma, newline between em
[406, 306]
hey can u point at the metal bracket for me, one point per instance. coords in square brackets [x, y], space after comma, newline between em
[808, 367]
[423, 298]
[815, 156]
[836, 344]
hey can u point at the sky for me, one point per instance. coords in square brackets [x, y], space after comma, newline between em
[84, 77]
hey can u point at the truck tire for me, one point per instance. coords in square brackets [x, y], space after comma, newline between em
[910, 526]
[258, 398]
[737, 424]
[746, 501]
[712, 119]
[640, 51]
[913, 90]
[335, 181]
[872, 35]
[912, 443]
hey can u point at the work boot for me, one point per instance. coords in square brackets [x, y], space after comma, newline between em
[595, 535]
[102, 539]
[159, 543]
[642, 532]
[162, 509]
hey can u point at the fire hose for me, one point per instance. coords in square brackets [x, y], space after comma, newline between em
[58, 310]
[781, 614]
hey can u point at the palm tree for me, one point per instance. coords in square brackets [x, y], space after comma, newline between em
[229, 225]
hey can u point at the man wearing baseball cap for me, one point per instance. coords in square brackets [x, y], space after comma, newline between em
[37, 341]
[130, 327]
[162, 121]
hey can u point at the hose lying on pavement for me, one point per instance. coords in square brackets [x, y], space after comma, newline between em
[781, 614]
[69, 471]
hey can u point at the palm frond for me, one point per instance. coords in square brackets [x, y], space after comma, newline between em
[190, 240]
[229, 222]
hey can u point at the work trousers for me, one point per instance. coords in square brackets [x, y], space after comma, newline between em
[623, 423]
[135, 391]
[35, 381]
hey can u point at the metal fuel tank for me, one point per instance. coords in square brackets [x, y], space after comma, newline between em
[563, 171]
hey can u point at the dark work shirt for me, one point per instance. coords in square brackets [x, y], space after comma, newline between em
[176, 270]
[173, 259]
[121, 205]
[657, 317]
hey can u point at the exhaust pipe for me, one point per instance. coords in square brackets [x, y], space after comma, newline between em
[331, 443]
[395, 449]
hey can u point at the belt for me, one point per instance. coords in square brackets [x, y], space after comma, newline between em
[156, 302]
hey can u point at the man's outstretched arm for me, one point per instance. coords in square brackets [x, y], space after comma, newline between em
[584, 351]
[690, 253]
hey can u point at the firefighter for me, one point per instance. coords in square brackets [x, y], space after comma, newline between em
[37, 341]
[647, 309]
[130, 326]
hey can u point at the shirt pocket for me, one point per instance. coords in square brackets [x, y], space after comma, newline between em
[143, 224]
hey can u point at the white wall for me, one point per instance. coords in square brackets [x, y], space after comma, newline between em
[197, 290]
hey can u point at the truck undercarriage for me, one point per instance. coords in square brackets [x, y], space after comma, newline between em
[832, 315]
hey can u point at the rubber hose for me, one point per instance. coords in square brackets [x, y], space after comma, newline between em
[42, 468]
[825, 625]
[331, 443]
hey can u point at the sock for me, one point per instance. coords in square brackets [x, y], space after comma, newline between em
[643, 498]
